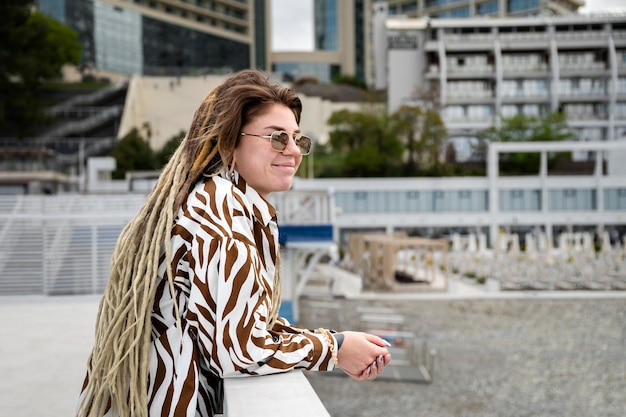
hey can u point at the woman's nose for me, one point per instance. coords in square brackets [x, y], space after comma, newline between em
[291, 148]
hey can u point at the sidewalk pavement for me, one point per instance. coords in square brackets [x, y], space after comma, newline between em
[45, 343]
[44, 346]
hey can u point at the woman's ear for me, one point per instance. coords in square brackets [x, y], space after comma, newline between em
[231, 170]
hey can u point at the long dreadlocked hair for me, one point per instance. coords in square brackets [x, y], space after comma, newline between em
[117, 374]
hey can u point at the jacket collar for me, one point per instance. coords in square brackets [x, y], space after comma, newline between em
[263, 211]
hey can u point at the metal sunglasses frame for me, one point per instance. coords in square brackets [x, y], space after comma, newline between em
[303, 142]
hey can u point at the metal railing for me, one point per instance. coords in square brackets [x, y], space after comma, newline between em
[62, 244]
[78, 127]
[86, 99]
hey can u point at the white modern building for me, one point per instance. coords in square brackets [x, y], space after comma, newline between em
[479, 69]
[471, 8]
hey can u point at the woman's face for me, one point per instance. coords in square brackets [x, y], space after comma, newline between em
[263, 168]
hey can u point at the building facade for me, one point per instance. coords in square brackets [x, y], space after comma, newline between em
[325, 25]
[168, 37]
[342, 43]
[543, 202]
[335, 34]
[481, 69]
[491, 8]
[349, 29]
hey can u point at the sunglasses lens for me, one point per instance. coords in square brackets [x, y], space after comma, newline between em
[304, 143]
[279, 141]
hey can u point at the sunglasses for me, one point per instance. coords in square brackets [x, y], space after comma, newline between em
[280, 139]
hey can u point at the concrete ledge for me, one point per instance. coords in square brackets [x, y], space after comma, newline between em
[281, 395]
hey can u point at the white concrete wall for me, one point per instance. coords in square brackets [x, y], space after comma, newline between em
[168, 105]
[403, 65]
[315, 114]
[615, 162]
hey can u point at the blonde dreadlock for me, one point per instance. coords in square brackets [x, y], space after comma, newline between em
[117, 374]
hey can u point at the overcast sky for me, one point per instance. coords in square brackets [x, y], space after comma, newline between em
[292, 21]
[603, 5]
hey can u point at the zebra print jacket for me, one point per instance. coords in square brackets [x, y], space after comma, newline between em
[224, 252]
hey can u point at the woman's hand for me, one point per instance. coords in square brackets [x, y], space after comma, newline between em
[363, 355]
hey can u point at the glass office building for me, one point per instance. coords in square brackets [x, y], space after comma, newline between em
[331, 54]
[325, 25]
[173, 37]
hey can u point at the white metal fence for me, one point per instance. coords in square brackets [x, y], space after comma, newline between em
[62, 244]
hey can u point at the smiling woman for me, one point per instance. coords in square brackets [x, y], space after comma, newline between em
[194, 291]
[266, 168]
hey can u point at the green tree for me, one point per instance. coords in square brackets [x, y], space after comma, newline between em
[406, 126]
[132, 153]
[526, 128]
[423, 133]
[432, 139]
[361, 144]
[349, 80]
[34, 49]
[166, 152]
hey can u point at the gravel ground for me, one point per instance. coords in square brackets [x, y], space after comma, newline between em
[518, 357]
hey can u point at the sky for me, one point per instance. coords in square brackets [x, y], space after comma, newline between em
[293, 21]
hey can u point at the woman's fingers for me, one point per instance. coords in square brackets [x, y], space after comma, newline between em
[377, 340]
[374, 369]
[363, 356]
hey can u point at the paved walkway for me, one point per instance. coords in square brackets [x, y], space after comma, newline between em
[44, 345]
[45, 342]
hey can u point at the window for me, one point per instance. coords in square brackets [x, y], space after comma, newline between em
[521, 5]
[460, 12]
[487, 8]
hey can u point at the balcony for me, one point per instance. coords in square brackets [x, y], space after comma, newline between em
[524, 41]
[581, 39]
[469, 42]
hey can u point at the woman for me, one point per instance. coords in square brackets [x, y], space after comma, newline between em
[195, 289]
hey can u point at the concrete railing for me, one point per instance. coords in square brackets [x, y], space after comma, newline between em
[281, 395]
